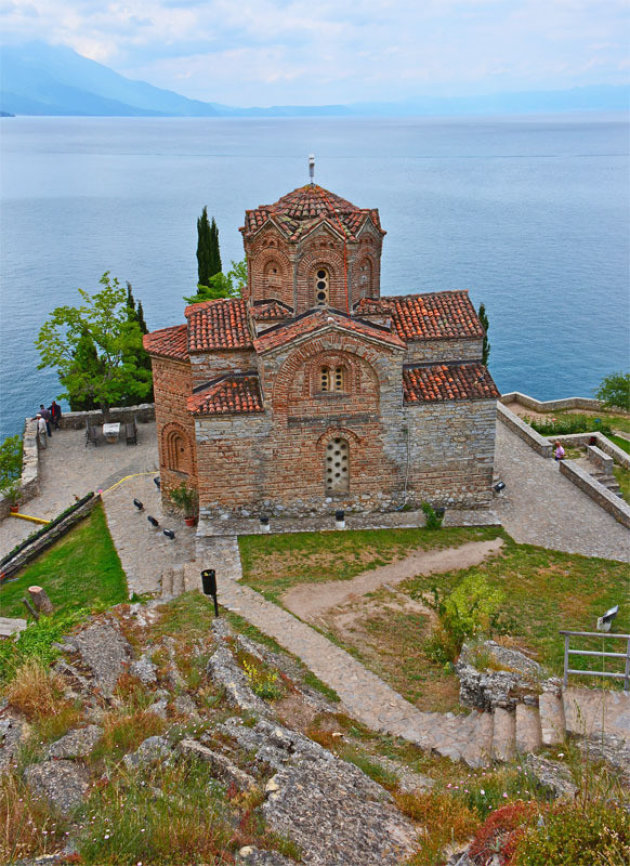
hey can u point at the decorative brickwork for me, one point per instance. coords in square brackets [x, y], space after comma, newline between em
[313, 393]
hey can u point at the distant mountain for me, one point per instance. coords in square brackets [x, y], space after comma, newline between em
[41, 79]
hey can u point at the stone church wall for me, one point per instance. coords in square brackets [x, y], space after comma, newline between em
[211, 365]
[443, 351]
[172, 384]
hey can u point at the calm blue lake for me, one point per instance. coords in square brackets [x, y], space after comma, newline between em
[530, 215]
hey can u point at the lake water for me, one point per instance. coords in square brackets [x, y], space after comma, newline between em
[530, 214]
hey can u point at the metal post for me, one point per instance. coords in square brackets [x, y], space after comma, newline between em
[209, 583]
[626, 680]
[566, 660]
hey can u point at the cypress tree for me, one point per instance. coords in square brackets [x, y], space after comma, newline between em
[483, 318]
[215, 252]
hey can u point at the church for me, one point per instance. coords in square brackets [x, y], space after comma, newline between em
[312, 392]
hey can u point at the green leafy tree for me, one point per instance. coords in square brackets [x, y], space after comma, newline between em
[208, 253]
[614, 391]
[140, 356]
[483, 318]
[227, 285]
[95, 348]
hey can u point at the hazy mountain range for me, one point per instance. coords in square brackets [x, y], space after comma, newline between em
[41, 79]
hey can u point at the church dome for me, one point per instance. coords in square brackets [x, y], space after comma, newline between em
[297, 212]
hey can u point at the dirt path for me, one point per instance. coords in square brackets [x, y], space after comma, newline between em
[310, 600]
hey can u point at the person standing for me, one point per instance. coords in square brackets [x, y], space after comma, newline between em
[43, 411]
[41, 431]
[55, 414]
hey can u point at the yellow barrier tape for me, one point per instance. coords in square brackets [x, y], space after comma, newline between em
[126, 478]
[28, 517]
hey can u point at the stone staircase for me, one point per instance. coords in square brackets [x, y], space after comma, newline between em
[502, 735]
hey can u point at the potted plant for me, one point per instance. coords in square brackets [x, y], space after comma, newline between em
[186, 498]
[12, 493]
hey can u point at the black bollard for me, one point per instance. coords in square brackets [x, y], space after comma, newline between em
[209, 583]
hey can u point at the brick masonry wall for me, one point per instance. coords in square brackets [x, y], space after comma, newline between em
[276, 463]
[172, 385]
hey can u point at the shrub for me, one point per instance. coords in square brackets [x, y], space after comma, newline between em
[433, 518]
[596, 835]
[614, 391]
[495, 840]
[10, 461]
[263, 683]
[470, 609]
[567, 424]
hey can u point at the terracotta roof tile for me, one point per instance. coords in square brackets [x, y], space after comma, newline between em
[300, 210]
[435, 316]
[272, 309]
[315, 320]
[437, 382]
[220, 324]
[167, 342]
[229, 395]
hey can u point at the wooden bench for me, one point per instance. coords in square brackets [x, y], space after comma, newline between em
[93, 434]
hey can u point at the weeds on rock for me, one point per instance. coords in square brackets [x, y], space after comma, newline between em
[262, 682]
[444, 819]
[27, 826]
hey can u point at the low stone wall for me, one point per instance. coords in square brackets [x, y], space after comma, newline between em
[143, 413]
[551, 405]
[539, 443]
[212, 526]
[38, 545]
[29, 482]
[610, 502]
[602, 442]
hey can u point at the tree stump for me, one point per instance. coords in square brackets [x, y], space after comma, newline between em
[40, 600]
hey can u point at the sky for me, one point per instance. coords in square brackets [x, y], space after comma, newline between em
[314, 52]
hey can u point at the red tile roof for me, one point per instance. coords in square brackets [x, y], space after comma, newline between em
[448, 382]
[272, 309]
[436, 316]
[299, 211]
[220, 324]
[230, 395]
[168, 342]
[315, 320]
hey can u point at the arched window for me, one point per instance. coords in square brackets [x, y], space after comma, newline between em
[337, 466]
[322, 287]
[177, 452]
[365, 278]
[272, 275]
[332, 379]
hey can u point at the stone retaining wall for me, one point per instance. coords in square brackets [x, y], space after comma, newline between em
[603, 443]
[40, 544]
[551, 405]
[143, 413]
[539, 443]
[610, 502]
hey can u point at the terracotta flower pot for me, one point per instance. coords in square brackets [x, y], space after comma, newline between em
[190, 521]
[14, 509]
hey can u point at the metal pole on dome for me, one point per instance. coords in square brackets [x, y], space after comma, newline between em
[311, 167]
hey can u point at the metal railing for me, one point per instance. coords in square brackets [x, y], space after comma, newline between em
[601, 653]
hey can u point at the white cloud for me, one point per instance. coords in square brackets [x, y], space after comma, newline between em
[270, 51]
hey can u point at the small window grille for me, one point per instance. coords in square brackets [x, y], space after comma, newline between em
[337, 466]
[338, 383]
[322, 287]
[325, 379]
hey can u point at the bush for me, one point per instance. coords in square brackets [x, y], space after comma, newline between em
[470, 609]
[433, 518]
[614, 391]
[597, 835]
[10, 461]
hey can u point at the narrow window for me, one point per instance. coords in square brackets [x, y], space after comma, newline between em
[322, 287]
[337, 466]
[324, 379]
[338, 379]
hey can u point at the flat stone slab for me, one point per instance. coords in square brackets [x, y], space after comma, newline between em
[76, 744]
[11, 626]
[105, 651]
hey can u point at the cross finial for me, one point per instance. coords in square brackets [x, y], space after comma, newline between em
[311, 167]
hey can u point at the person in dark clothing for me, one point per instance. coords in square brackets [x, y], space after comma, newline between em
[55, 414]
[44, 412]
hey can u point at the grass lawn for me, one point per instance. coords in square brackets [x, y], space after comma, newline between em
[543, 591]
[80, 573]
[80, 570]
[273, 564]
